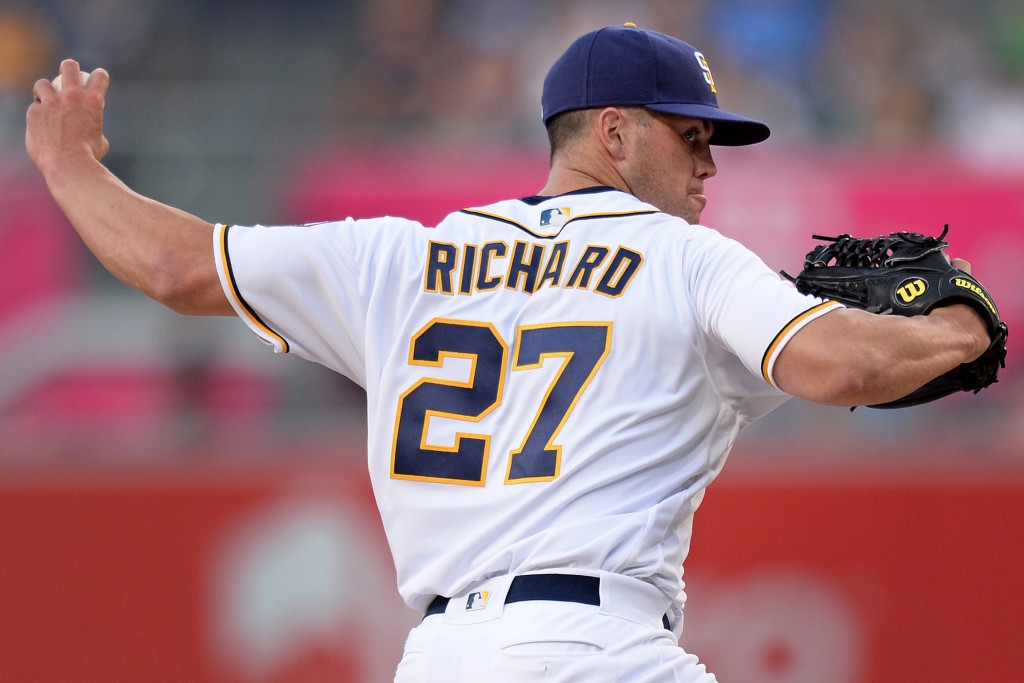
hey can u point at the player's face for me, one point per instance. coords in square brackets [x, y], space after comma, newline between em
[671, 160]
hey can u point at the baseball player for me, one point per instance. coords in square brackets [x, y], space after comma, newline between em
[552, 380]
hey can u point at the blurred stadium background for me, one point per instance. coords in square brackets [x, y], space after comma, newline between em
[178, 504]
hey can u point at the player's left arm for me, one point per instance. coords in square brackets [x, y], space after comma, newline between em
[161, 251]
[849, 357]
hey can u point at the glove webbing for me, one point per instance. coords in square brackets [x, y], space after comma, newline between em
[846, 251]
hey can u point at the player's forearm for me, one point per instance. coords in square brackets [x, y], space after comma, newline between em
[851, 358]
[913, 351]
[163, 252]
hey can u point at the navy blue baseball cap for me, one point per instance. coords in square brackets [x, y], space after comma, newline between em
[628, 66]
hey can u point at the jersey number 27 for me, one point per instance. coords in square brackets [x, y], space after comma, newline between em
[580, 346]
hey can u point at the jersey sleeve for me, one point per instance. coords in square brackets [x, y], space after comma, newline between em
[744, 305]
[306, 289]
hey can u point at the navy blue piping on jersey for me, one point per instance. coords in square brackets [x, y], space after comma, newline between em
[520, 226]
[536, 199]
[285, 347]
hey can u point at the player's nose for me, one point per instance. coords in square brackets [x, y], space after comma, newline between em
[705, 166]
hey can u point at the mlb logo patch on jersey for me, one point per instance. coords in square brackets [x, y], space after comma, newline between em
[556, 217]
[478, 600]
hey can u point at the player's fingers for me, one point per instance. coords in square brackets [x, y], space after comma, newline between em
[98, 80]
[961, 264]
[42, 89]
[70, 74]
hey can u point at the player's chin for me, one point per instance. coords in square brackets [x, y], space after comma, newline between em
[692, 208]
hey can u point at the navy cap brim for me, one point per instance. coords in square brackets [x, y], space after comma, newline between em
[730, 130]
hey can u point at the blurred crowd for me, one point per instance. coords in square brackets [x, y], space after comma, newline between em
[871, 71]
[215, 100]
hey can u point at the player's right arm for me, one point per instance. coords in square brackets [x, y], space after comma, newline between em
[161, 251]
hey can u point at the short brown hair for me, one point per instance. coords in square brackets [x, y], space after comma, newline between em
[567, 127]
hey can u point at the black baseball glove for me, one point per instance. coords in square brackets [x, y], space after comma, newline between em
[905, 273]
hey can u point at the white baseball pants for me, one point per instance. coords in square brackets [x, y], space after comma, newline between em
[479, 638]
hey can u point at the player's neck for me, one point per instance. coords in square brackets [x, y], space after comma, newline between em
[563, 179]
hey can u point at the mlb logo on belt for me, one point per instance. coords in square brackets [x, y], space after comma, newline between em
[475, 601]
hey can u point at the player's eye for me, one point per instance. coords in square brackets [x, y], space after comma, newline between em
[696, 133]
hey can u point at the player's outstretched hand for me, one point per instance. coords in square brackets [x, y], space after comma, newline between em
[66, 126]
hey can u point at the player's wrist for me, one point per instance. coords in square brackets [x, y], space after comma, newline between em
[63, 172]
[967, 326]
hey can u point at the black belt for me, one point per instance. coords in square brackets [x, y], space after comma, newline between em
[585, 590]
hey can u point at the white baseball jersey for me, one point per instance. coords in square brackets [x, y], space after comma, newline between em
[551, 382]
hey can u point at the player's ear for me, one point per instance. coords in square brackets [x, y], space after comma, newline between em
[611, 128]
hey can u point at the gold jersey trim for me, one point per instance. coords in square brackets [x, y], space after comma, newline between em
[768, 360]
[241, 304]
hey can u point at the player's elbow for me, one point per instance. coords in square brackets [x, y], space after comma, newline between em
[170, 288]
[187, 288]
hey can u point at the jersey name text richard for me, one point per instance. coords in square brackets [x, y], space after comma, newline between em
[527, 267]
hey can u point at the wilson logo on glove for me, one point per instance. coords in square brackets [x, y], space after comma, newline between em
[972, 286]
[911, 289]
